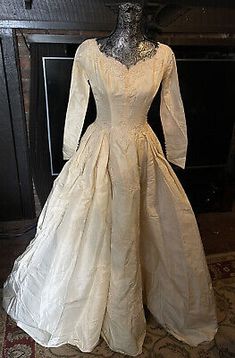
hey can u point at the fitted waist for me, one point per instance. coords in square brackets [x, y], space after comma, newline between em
[123, 124]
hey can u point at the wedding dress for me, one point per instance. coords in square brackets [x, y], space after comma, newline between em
[117, 230]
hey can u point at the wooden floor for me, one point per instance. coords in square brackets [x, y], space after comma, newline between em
[217, 232]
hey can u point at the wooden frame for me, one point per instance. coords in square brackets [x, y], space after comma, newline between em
[55, 25]
[10, 53]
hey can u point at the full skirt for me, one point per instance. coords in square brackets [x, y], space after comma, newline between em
[117, 232]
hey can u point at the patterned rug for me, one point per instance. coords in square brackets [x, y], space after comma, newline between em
[14, 343]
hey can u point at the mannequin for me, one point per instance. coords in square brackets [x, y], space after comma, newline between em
[127, 43]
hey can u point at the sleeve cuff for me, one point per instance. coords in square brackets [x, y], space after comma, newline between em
[67, 153]
[180, 162]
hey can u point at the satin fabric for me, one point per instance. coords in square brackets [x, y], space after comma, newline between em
[117, 230]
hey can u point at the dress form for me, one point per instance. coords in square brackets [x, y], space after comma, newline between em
[127, 43]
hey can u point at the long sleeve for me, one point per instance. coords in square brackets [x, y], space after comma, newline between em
[76, 109]
[172, 115]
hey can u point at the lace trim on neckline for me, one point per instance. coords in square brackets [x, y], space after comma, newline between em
[111, 58]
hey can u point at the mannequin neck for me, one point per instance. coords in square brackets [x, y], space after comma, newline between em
[127, 43]
[128, 31]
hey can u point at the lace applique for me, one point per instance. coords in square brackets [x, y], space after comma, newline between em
[133, 57]
[120, 69]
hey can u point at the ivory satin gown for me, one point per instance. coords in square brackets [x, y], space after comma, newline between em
[117, 230]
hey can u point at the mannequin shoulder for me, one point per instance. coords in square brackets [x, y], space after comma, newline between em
[167, 49]
[83, 47]
[168, 55]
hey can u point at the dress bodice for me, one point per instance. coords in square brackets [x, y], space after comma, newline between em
[124, 95]
[117, 89]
